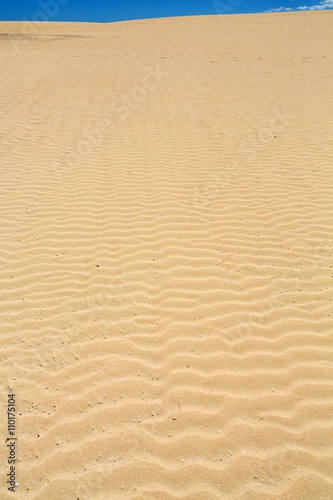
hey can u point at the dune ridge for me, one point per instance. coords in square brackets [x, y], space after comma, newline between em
[166, 257]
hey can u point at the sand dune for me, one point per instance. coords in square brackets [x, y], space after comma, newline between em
[166, 257]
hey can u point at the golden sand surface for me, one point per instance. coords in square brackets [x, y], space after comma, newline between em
[166, 257]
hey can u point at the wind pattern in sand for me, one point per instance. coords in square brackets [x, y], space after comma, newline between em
[166, 257]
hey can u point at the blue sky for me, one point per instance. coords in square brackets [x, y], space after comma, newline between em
[121, 10]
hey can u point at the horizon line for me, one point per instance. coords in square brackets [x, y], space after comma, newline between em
[165, 17]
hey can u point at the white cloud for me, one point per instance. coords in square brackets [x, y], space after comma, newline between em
[324, 4]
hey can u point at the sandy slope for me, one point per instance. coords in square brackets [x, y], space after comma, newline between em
[166, 271]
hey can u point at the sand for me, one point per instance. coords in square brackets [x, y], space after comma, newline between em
[166, 257]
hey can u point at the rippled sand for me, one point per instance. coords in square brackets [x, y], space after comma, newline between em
[166, 257]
